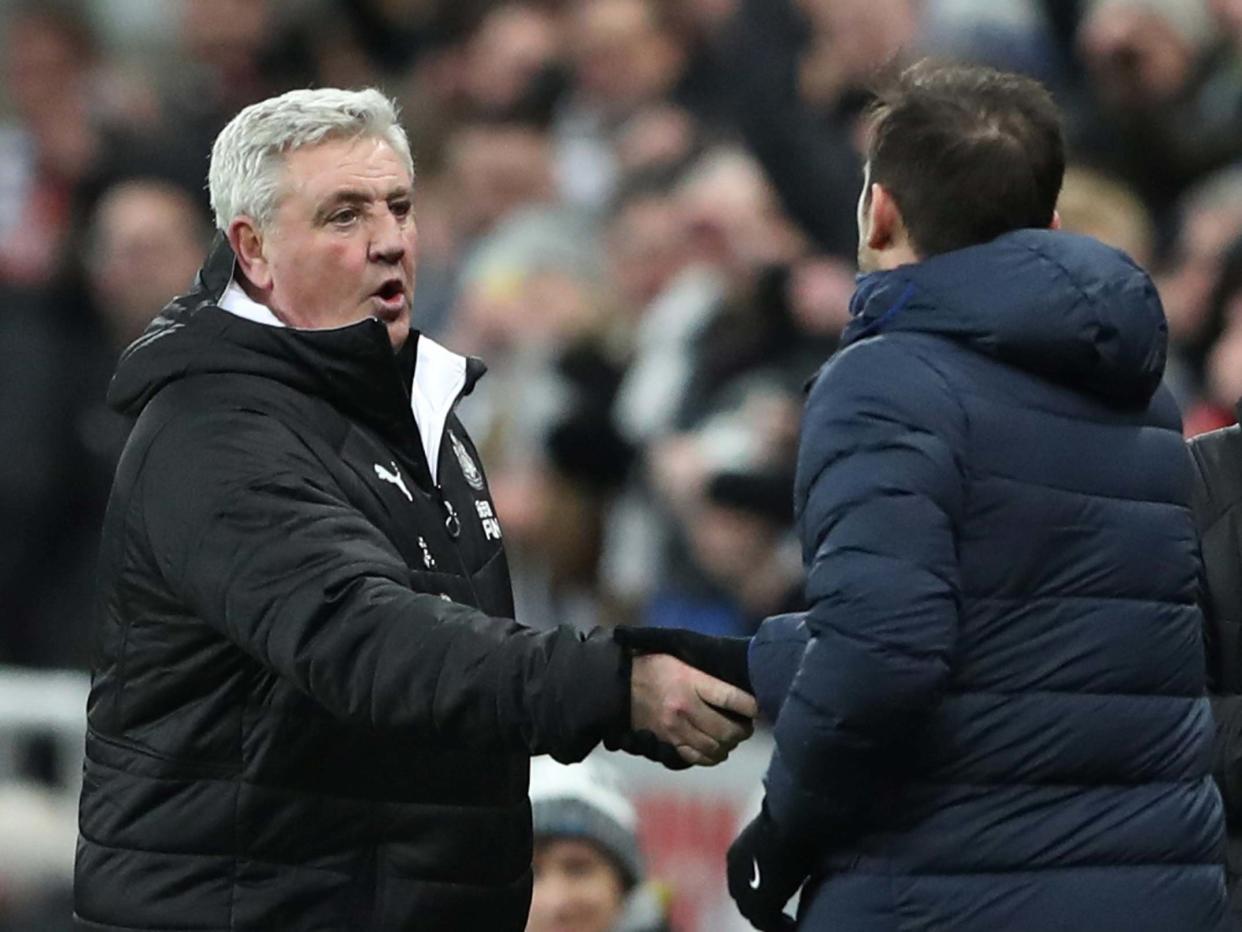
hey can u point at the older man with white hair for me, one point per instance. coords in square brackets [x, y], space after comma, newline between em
[311, 706]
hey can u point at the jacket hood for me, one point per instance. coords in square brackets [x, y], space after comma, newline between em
[353, 366]
[1063, 306]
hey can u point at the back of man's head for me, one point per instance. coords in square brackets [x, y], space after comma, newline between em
[967, 153]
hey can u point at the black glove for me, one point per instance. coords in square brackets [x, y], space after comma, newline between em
[645, 744]
[641, 743]
[764, 871]
[723, 658]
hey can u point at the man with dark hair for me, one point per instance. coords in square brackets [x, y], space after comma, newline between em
[992, 716]
[993, 142]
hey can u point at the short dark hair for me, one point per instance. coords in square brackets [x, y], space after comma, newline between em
[966, 151]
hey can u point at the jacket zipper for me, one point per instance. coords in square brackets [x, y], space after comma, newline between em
[452, 521]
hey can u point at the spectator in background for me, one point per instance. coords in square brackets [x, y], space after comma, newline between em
[850, 40]
[807, 149]
[588, 864]
[1096, 204]
[717, 337]
[511, 66]
[1216, 404]
[50, 152]
[1229, 14]
[142, 247]
[999, 719]
[36, 404]
[1167, 93]
[625, 56]
[230, 53]
[1209, 219]
[739, 533]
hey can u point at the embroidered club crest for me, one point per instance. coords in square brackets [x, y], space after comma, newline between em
[468, 468]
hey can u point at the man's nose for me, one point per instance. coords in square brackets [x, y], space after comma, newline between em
[387, 239]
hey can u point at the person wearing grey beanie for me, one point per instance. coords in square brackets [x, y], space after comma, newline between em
[588, 866]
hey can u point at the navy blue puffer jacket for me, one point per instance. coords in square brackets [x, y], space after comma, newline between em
[998, 721]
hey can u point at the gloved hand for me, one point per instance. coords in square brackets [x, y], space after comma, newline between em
[764, 871]
[721, 657]
[645, 744]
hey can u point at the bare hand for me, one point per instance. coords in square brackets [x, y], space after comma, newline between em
[680, 706]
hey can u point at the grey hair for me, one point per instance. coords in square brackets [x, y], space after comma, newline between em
[247, 158]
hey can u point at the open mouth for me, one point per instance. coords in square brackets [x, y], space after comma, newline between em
[390, 291]
[390, 298]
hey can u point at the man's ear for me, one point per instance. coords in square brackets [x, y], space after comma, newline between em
[1056, 220]
[247, 241]
[886, 225]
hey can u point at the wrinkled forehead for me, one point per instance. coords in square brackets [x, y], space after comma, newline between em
[364, 163]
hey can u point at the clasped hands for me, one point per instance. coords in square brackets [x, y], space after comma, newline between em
[702, 716]
[690, 692]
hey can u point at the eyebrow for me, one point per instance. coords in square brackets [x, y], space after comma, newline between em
[355, 197]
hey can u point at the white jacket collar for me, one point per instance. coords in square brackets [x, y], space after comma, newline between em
[439, 374]
[236, 301]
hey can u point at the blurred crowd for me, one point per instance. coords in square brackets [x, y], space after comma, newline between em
[639, 213]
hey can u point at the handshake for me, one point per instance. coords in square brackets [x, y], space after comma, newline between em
[690, 700]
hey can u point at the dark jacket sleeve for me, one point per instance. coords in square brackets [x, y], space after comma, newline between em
[879, 495]
[250, 531]
[1222, 583]
[774, 658]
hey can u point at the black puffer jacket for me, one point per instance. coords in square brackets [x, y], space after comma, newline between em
[309, 709]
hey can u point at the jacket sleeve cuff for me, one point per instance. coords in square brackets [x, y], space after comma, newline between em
[597, 704]
[800, 814]
[774, 659]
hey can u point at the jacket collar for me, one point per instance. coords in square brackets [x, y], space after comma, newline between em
[217, 328]
[1063, 306]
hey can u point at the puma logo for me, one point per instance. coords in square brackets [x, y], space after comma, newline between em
[393, 476]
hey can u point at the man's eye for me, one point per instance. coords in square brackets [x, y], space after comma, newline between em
[400, 208]
[345, 216]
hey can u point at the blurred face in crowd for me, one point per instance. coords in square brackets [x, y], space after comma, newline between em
[646, 248]
[42, 59]
[849, 38]
[342, 244]
[1134, 55]
[577, 888]
[226, 34]
[510, 49]
[733, 215]
[498, 168]
[1186, 285]
[622, 58]
[147, 241]
[1229, 14]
